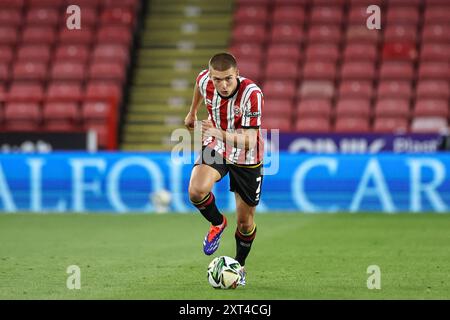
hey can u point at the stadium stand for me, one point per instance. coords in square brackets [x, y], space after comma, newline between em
[317, 61]
[53, 78]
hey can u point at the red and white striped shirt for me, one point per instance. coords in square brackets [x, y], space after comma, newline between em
[240, 111]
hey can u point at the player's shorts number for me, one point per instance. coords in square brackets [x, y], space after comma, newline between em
[258, 190]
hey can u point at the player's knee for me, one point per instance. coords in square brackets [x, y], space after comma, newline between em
[245, 225]
[197, 193]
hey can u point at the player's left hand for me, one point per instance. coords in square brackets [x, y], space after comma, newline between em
[209, 130]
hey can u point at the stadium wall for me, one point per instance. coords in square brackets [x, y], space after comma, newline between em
[122, 182]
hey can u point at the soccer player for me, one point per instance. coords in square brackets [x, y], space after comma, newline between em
[232, 144]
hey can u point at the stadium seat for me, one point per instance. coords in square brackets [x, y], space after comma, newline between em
[6, 54]
[390, 125]
[22, 115]
[400, 33]
[429, 125]
[436, 33]
[107, 71]
[117, 16]
[290, 52]
[319, 71]
[10, 17]
[433, 89]
[251, 14]
[288, 14]
[324, 15]
[4, 72]
[280, 123]
[360, 34]
[434, 52]
[101, 90]
[112, 53]
[282, 69]
[68, 71]
[84, 36]
[434, 71]
[72, 53]
[324, 34]
[313, 89]
[8, 35]
[61, 116]
[42, 17]
[273, 107]
[30, 71]
[353, 107]
[249, 33]
[312, 125]
[392, 108]
[360, 52]
[394, 89]
[38, 35]
[95, 111]
[287, 33]
[352, 124]
[248, 51]
[316, 108]
[356, 89]
[64, 91]
[56, 4]
[436, 14]
[34, 53]
[279, 89]
[393, 70]
[406, 15]
[358, 71]
[26, 91]
[399, 51]
[322, 53]
[431, 108]
[113, 35]
[251, 69]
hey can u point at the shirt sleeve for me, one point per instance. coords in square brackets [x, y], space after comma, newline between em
[202, 80]
[251, 117]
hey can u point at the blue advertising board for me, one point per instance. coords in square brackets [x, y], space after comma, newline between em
[122, 182]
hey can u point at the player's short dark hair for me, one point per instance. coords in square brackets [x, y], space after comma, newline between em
[222, 61]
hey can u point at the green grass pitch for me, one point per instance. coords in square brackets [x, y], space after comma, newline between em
[294, 256]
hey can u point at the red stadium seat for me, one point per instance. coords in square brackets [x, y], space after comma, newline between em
[249, 33]
[399, 51]
[107, 71]
[113, 34]
[273, 107]
[431, 108]
[84, 36]
[4, 72]
[72, 53]
[288, 14]
[433, 89]
[251, 14]
[319, 71]
[38, 35]
[324, 34]
[392, 70]
[323, 15]
[251, 68]
[111, 52]
[247, 51]
[358, 15]
[289, 52]
[356, 89]
[68, 71]
[353, 107]
[10, 17]
[392, 108]
[434, 71]
[12, 4]
[279, 89]
[64, 91]
[407, 15]
[429, 125]
[27, 91]
[282, 69]
[117, 16]
[390, 125]
[287, 33]
[316, 108]
[22, 116]
[95, 111]
[394, 89]
[400, 33]
[8, 35]
[30, 71]
[322, 52]
[436, 33]
[352, 124]
[42, 17]
[313, 89]
[101, 90]
[300, 3]
[363, 70]
[360, 34]
[312, 125]
[360, 52]
[433, 52]
[6, 54]
[62, 116]
[47, 3]
[34, 53]
[437, 14]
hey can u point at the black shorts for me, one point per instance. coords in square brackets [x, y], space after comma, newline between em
[246, 180]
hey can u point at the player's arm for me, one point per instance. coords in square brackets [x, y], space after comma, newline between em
[241, 138]
[191, 117]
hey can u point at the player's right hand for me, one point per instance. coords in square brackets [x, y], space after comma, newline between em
[189, 121]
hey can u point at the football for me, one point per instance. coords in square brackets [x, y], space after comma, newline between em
[223, 273]
[161, 201]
